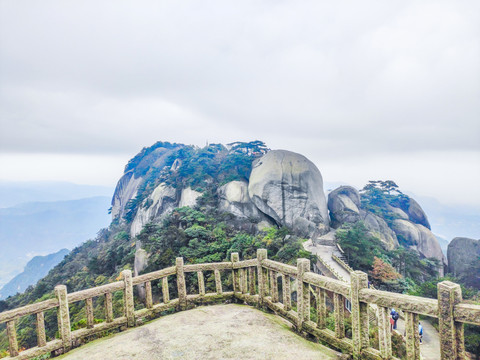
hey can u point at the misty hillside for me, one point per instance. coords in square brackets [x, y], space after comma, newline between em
[15, 193]
[35, 269]
[42, 228]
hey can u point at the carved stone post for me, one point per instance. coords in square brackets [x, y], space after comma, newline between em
[251, 281]
[63, 316]
[261, 255]
[128, 297]
[303, 293]
[384, 333]
[182, 289]
[41, 336]
[148, 295]
[89, 312]
[165, 291]
[12, 338]
[321, 307]
[339, 316]
[218, 281]
[236, 283]
[108, 307]
[359, 281]
[452, 344]
[287, 292]
[201, 283]
[273, 286]
[413, 339]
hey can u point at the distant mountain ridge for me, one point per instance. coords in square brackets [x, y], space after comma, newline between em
[15, 193]
[37, 228]
[35, 269]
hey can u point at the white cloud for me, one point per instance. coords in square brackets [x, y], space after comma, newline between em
[363, 83]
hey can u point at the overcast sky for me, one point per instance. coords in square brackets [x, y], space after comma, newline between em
[365, 89]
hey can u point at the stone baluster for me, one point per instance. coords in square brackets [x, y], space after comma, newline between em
[128, 297]
[412, 336]
[89, 313]
[452, 345]
[384, 332]
[321, 307]
[201, 283]
[218, 281]
[236, 283]
[181, 286]
[148, 295]
[303, 293]
[165, 290]
[286, 292]
[108, 307]
[244, 280]
[251, 280]
[63, 317]
[273, 286]
[261, 255]
[12, 338]
[41, 336]
[339, 311]
[360, 336]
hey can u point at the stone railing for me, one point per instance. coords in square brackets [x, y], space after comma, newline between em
[330, 269]
[342, 263]
[265, 283]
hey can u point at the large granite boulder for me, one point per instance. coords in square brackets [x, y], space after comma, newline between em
[379, 228]
[462, 253]
[344, 206]
[413, 210]
[420, 238]
[126, 189]
[288, 188]
[234, 199]
[159, 203]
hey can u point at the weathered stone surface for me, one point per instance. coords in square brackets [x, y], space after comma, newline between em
[208, 332]
[379, 228]
[414, 211]
[126, 189]
[234, 198]
[288, 188]
[189, 197]
[158, 204]
[419, 238]
[344, 206]
[461, 253]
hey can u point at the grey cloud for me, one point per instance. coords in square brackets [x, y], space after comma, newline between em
[358, 77]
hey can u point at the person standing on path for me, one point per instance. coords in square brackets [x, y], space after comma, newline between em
[420, 331]
[395, 317]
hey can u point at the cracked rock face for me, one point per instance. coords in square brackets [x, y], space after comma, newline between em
[288, 188]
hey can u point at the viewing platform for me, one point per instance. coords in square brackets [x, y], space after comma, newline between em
[305, 299]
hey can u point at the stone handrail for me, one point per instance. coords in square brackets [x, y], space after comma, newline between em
[330, 269]
[342, 263]
[256, 282]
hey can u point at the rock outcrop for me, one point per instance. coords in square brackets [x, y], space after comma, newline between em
[420, 238]
[344, 206]
[161, 201]
[126, 189]
[379, 228]
[413, 210]
[234, 199]
[188, 197]
[288, 188]
[462, 253]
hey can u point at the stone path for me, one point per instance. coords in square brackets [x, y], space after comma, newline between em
[325, 252]
[430, 347]
[211, 332]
